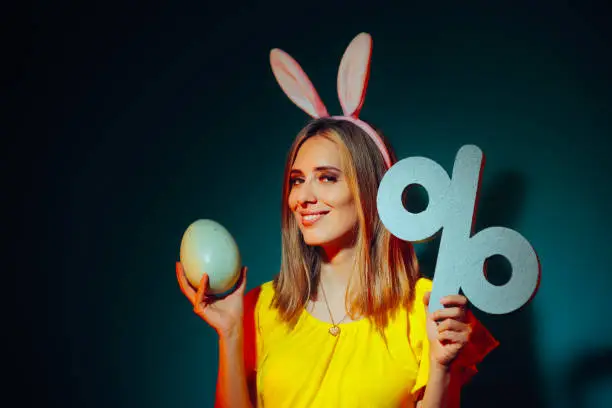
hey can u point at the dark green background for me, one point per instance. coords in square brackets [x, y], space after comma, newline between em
[135, 119]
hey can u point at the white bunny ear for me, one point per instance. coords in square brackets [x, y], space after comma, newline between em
[295, 83]
[354, 73]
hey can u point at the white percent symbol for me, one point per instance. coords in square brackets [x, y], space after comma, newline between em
[461, 257]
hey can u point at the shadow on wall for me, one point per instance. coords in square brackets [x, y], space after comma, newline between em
[507, 377]
[586, 374]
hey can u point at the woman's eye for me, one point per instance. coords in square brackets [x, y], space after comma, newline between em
[294, 181]
[329, 179]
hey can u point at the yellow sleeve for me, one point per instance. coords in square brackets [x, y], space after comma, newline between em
[418, 334]
[264, 317]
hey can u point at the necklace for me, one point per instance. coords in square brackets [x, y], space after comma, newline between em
[334, 330]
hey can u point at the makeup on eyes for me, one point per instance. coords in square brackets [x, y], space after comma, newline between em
[330, 173]
[330, 177]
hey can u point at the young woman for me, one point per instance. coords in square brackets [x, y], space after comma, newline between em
[344, 323]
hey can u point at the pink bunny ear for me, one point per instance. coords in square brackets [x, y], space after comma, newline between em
[354, 73]
[295, 83]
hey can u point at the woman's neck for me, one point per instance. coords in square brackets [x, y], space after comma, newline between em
[337, 266]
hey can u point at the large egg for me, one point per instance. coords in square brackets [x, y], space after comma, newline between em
[207, 247]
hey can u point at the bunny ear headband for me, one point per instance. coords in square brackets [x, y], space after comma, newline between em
[353, 76]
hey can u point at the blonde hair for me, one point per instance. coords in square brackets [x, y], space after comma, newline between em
[387, 268]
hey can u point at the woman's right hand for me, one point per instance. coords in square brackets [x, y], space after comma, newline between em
[223, 314]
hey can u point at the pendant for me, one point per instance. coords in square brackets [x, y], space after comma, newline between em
[334, 330]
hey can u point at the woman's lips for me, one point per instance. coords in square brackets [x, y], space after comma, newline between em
[311, 219]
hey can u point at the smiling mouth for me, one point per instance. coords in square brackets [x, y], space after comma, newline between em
[311, 219]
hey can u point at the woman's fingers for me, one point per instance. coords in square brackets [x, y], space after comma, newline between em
[454, 300]
[452, 325]
[200, 298]
[449, 336]
[184, 283]
[457, 313]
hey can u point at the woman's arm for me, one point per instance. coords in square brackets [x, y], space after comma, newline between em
[443, 388]
[227, 316]
[232, 388]
[448, 333]
[236, 380]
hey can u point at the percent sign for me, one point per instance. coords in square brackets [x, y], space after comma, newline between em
[461, 257]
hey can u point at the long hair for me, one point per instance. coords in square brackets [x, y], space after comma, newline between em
[386, 267]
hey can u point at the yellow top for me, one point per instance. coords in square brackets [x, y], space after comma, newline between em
[309, 368]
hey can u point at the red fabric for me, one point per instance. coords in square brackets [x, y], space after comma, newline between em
[481, 343]
[250, 341]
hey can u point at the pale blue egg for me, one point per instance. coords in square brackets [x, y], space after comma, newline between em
[207, 247]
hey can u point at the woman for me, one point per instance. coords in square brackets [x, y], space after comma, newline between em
[345, 322]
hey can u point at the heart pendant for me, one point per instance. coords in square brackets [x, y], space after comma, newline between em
[334, 330]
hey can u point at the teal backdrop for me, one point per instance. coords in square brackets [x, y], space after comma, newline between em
[138, 119]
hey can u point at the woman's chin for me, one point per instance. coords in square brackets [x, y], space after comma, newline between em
[324, 239]
[314, 240]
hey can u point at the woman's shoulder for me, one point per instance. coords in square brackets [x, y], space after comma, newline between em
[261, 294]
[264, 289]
[267, 287]
[422, 286]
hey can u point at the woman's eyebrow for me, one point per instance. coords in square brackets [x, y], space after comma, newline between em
[324, 168]
[318, 168]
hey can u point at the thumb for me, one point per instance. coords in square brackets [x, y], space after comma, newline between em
[243, 279]
[201, 293]
[426, 298]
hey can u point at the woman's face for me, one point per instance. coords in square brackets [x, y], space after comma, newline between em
[320, 198]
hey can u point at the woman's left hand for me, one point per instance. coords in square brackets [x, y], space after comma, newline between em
[447, 329]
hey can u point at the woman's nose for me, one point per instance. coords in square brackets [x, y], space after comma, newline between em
[306, 194]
